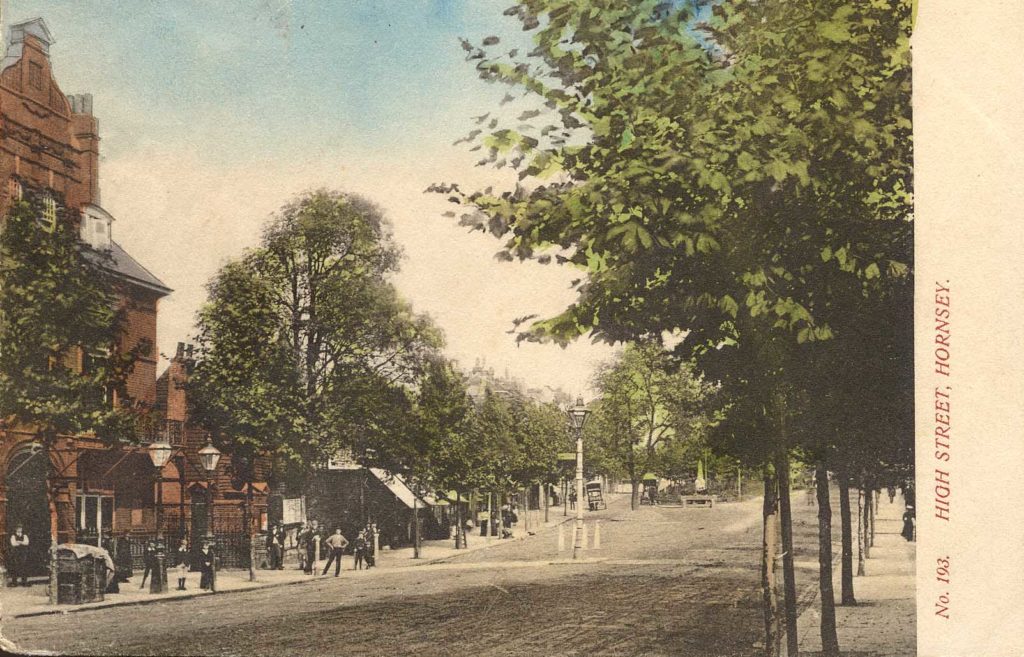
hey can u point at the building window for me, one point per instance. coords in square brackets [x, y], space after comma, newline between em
[48, 218]
[14, 190]
[94, 513]
[35, 75]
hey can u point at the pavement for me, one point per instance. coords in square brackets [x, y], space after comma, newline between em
[24, 602]
[884, 620]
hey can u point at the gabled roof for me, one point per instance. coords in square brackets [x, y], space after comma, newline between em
[15, 39]
[119, 262]
[36, 27]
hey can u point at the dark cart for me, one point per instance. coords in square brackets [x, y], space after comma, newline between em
[81, 575]
[595, 499]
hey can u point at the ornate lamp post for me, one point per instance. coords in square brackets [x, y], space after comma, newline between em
[209, 456]
[577, 418]
[245, 464]
[159, 453]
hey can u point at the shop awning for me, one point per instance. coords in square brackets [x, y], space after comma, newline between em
[400, 490]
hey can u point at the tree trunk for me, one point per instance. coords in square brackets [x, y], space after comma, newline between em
[769, 547]
[847, 533]
[634, 499]
[867, 520]
[415, 527]
[871, 518]
[788, 574]
[829, 638]
[860, 533]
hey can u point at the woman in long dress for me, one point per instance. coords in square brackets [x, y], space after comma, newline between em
[908, 524]
[206, 568]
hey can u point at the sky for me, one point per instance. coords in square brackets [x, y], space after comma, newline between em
[214, 113]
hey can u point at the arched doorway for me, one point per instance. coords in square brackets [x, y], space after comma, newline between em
[27, 505]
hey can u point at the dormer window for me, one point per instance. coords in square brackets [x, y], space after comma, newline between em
[48, 217]
[96, 228]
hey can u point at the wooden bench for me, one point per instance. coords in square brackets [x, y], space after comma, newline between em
[698, 500]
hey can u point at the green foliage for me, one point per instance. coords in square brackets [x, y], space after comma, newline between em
[651, 416]
[704, 170]
[58, 305]
[305, 349]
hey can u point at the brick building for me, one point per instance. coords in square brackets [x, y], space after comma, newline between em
[80, 489]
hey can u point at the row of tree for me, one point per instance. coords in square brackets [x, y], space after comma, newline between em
[738, 173]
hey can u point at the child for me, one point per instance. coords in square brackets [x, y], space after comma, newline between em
[181, 562]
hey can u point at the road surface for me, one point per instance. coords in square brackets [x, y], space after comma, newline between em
[666, 581]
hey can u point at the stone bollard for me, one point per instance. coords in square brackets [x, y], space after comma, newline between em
[597, 534]
[561, 539]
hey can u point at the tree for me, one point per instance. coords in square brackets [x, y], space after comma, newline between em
[60, 321]
[756, 161]
[646, 404]
[304, 349]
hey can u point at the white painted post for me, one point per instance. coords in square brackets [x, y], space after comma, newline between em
[597, 534]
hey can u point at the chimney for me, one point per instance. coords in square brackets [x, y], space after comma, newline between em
[81, 103]
[179, 353]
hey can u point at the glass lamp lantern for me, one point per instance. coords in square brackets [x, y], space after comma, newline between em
[159, 453]
[578, 414]
[209, 455]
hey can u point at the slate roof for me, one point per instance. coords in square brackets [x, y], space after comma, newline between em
[118, 261]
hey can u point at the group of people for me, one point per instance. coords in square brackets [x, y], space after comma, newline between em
[180, 563]
[311, 535]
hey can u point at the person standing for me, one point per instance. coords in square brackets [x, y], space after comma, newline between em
[181, 563]
[19, 556]
[359, 550]
[273, 548]
[301, 539]
[148, 560]
[206, 566]
[908, 524]
[313, 538]
[371, 551]
[336, 543]
[279, 540]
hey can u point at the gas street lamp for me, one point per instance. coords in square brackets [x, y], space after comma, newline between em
[578, 418]
[209, 456]
[159, 453]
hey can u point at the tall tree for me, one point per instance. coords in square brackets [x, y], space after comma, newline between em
[304, 346]
[60, 320]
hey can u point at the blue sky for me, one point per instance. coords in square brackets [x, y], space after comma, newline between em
[356, 74]
[213, 113]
